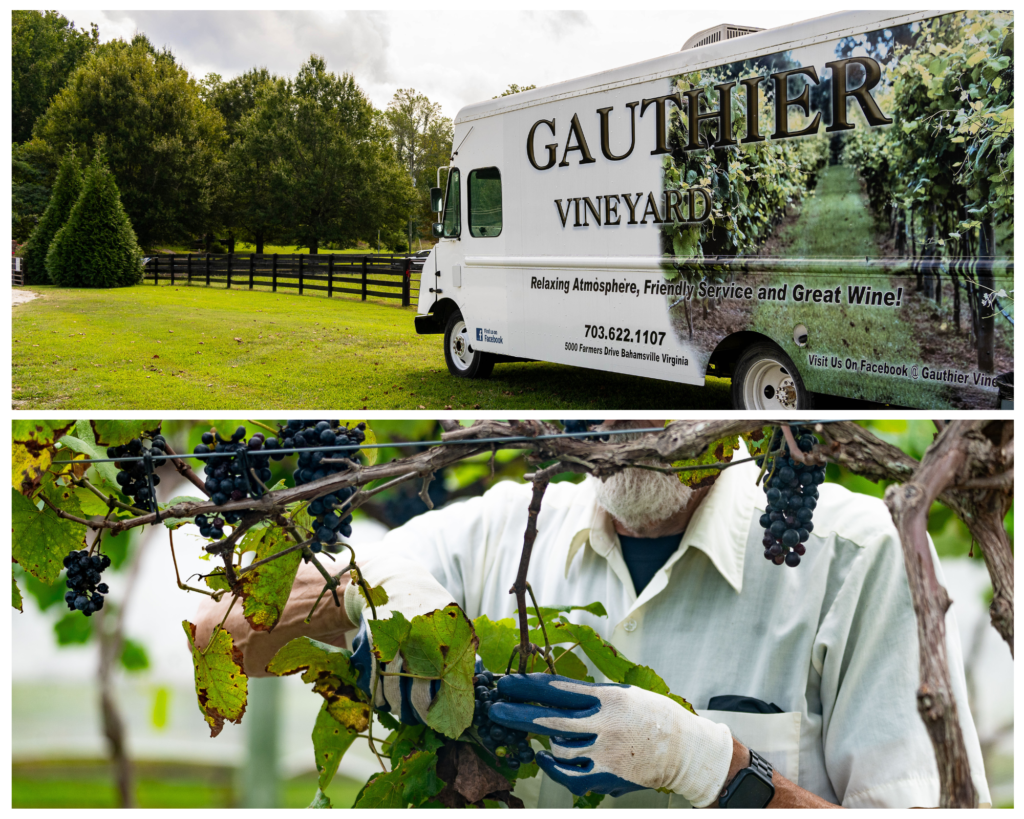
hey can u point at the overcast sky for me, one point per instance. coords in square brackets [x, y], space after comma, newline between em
[454, 57]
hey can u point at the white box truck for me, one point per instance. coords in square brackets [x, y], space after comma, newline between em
[824, 208]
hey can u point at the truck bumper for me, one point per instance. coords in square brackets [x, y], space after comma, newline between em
[428, 325]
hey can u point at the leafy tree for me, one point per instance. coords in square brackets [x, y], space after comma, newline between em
[418, 132]
[66, 191]
[236, 98]
[335, 172]
[45, 48]
[514, 89]
[32, 177]
[97, 246]
[162, 142]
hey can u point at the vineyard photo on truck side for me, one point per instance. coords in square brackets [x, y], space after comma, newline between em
[538, 602]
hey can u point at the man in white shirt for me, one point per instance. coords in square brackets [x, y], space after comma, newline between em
[813, 668]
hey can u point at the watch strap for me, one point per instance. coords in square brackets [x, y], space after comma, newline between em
[759, 768]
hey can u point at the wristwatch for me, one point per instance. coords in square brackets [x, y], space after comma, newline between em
[752, 787]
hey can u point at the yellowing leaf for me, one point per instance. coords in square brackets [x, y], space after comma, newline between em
[330, 741]
[32, 451]
[318, 660]
[721, 451]
[16, 595]
[221, 684]
[265, 590]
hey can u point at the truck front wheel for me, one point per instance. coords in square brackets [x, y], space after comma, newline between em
[765, 378]
[459, 355]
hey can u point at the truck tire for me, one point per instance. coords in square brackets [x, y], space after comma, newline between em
[459, 355]
[765, 378]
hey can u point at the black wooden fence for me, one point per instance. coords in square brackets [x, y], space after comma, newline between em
[384, 276]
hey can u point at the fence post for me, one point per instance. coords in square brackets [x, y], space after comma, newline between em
[364, 277]
[300, 273]
[273, 270]
[406, 282]
[252, 268]
[172, 269]
[188, 265]
[330, 275]
[207, 269]
[229, 271]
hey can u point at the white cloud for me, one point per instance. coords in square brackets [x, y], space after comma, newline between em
[454, 57]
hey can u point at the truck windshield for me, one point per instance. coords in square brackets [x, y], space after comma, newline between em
[484, 202]
[452, 211]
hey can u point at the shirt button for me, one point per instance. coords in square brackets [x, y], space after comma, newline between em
[630, 625]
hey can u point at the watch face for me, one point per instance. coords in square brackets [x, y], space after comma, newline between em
[751, 792]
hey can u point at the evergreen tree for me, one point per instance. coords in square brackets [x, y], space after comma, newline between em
[97, 246]
[65, 193]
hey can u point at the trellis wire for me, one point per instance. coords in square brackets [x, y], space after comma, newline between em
[508, 439]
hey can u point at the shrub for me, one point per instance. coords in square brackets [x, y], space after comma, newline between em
[97, 246]
[66, 190]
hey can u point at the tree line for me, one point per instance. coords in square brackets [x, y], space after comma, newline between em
[304, 160]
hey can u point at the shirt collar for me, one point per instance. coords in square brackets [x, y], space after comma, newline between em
[719, 527]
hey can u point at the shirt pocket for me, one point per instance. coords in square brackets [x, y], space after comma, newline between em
[776, 737]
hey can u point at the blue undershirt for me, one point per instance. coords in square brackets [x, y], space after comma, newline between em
[644, 556]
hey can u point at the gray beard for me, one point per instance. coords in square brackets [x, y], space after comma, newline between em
[639, 498]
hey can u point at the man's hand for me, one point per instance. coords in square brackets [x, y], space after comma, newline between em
[412, 591]
[613, 739]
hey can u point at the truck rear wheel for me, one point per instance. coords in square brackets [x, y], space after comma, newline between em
[765, 378]
[459, 355]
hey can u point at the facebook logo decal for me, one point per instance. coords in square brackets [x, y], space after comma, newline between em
[479, 334]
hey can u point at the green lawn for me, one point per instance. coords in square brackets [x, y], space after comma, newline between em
[81, 784]
[243, 247]
[170, 348]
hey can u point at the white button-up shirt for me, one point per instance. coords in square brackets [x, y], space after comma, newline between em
[832, 642]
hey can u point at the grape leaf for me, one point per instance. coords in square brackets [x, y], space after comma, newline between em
[408, 738]
[413, 782]
[377, 596]
[16, 600]
[567, 664]
[265, 590]
[330, 741]
[116, 432]
[646, 678]
[388, 636]
[720, 451]
[320, 800]
[176, 523]
[217, 581]
[442, 644]
[221, 684]
[317, 660]
[497, 639]
[32, 451]
[602, 654]
[349, 712]
[588, 800]
[758, 441]
[103, 476]
[551, 612]
[40, 540]
[73, 628]
[134, 656]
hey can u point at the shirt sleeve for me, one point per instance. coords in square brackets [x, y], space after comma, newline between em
[877, 751]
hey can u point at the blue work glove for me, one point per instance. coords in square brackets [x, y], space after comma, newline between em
[613, 739]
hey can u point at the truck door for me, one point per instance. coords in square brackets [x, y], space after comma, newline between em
[448, 252]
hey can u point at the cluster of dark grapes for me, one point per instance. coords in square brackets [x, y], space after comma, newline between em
[85, 591]
[507, 744]
[132, 476]
[584, 426]
[792, 494]
[407, 503]
[228, 478]
[330, 525]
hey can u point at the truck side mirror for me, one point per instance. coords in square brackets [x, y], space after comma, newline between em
[436, 200]
[437, 228]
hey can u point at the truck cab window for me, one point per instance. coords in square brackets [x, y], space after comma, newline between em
[452, 209]
[485, 202]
